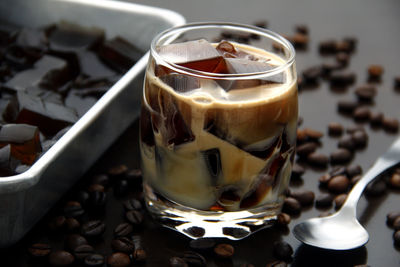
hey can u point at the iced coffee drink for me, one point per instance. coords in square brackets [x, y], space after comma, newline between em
[217, 131]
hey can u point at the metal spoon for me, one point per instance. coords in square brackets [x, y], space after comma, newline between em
[342, 230]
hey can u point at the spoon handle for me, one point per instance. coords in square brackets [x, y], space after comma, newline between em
[384, 162]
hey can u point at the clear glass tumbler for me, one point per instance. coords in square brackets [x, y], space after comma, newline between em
[218, 128]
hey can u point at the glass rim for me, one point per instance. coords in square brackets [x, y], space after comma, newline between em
[171, 34]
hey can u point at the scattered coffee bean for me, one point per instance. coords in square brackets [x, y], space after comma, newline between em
[291, 206]
[312, 75]
[94, 260]
[375, 71]
[342, 78]
[202, 244]
[376, 118]
[327, 47]
[329, 67]
[299, 40]
[390, 124]
[261, 23]
[360, 139]
[97, 200]
[366, 92]
[297, 170]
[355, 179]
[224, 250]
[324, 179]
[394, 180]
[352, 42]
[82, 197]
[195, 231]
[343, 58]
[39, 250]
[73, 209]
[302, 28]
[123, 229]
[139, 255]
[95, 187]
[118, 259]
[340, 156]
[282, 250]
[353, 170]
[283, 219]
[347, 106]
[391, 217]
[121, 187]
[305, 149]
[177, 262]
[134, 217]
[335, 129]
[375, 188]
[74, 240]
[396, 224]
[61, 258]
[338, 184]
[305, 197]
[132, 204]
[194, 259]
[101, 179]
[354, 128]
[123, 244]
[338, 170]
[397, 82]
[343, 47]
[57, 223]
[339, 200]
[134, 177]
[93, 228]
[323, 200]
[396, 238]
[277, 264]
[313, 134]
[347, 142]
[361, 113]
[118, 171]
[318, 159]
[72, 224]
[82, 251]
[301, 135]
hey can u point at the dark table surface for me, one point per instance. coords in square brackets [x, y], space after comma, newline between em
[376, 26]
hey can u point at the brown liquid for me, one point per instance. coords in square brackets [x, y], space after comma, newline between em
[210, 149]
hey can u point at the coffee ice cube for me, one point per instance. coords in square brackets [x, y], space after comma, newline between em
[212, 158]
[197, 55]
[257, 192]
[69, 37]
[7, 162]
[8, 33]
[90, 65]
[24, 140]
[82, 100]
[49, 117]
[120, 54]
[181, 83]
[146, 129]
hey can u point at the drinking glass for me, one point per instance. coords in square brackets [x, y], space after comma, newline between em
[218, 128]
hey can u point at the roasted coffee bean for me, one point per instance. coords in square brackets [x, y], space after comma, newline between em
[139, 255]
[397, 82]
[305, 149]
[194, 259]
[318, 159]
[94, 260]
[177, 262]
[297, 170]
[291, 206]
[342, 78]
[57, 223]
[39, 250]
[74, 240]
[338, 184]
[195, 231]
[366, 92]
[339, 200]
[355, 179]
[299, 40]
[301, 136]
[312, 75]
[224, 250]
[343, 58]
[323, 200]
[396, 238]
[134, 177]
[343, 47]
[360, 138]
[327, 47]
[202, 244]
[82, 251]
[353, 170]
[101, 179]
[132, 204]
[282, 250]
[93, 228]
[123, 244]
[394, 180]
[72, 224]
[375, 71]
[61, 258]
[118, 171]
[324, 179]
[376, 188]
[340, 155]
[354, 128]
[261, 24]
[305, 197]
[96, 187]
[82, 197]
[283, 219]
[97, 200]
[335, 129]
[123, 229]
[390, 124]
[396, 224]
[351, 41]
[301, 28]
[121, 187]
[73, 209]
[118, 259]
[376, 118]
[134, 217]
[313, 134]
[361, 113]
[347, 106]
[338, 170]
[329, 67]
[347, 142]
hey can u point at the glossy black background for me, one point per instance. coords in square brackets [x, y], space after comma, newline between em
[376, 25]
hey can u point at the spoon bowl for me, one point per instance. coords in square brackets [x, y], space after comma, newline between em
[342, 231]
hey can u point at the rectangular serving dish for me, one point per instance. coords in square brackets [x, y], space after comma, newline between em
[26, 197]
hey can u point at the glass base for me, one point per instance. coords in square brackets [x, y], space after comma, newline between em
[210, 224]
